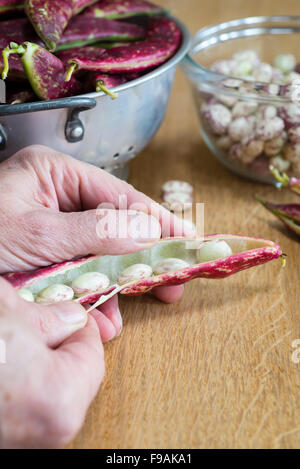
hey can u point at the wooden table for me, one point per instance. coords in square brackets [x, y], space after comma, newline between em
[215, 369]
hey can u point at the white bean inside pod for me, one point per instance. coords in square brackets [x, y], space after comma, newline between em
[134, 273]
[90, 282]
[54, 294]
[169, 265]
[213, 250]
[26, 294]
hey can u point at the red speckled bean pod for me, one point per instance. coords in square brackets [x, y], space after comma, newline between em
[45, 72]
[288, 214]
[162, 41]
[116, 9]
[10, 6]
[51, 17]
[242, 253]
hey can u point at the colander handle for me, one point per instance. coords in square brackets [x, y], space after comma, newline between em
[74, 129]
[79, 102]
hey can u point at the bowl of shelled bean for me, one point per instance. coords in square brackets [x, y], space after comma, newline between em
[245, 79]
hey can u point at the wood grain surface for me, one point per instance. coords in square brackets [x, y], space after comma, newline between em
[214, 370]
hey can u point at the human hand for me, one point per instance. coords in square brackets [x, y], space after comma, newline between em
[54, 366]
[48, 213]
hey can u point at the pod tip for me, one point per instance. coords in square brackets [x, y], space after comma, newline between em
[70, 71]
[283, 258]
[280, 177]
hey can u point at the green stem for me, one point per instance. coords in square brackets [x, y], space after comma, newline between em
[280, 177]
[283, 259]
[12, 49]
[262, 201]
[70, 71]
[100, 86]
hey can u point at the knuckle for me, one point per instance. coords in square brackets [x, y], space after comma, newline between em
[33, 154]
[29, 153]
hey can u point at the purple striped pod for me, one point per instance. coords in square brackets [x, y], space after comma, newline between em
[117, 9]
[51, 17]
[162, 40]
[45, 72]
[184, 255]
[10, 7]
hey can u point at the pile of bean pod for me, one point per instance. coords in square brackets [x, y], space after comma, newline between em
[248, 132]
[55, 49]
[92, 282]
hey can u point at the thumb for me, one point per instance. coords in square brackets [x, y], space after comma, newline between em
[80, 367]
[104, 231]
[55, 323]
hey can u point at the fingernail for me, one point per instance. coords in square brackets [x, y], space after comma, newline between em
[144, 228]
[121, 322]
[70, 313]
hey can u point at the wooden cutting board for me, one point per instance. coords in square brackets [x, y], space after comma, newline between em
[215, 369]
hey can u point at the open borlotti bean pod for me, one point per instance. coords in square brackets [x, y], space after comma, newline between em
[171, 261]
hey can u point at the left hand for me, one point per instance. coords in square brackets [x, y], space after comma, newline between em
[48, 213]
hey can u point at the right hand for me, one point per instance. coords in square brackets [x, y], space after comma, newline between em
[54, 366]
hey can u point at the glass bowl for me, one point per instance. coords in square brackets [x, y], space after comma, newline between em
[249, 110]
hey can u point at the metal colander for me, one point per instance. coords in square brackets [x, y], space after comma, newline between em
[92, 127]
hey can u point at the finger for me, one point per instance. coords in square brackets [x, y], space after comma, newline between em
[54, 323]
[79, 370]
[79, 185]
[125, 197]
[108, 319]
[95, 232]
[106, 328]
[169, 294]
[57, 322]
[111, 310]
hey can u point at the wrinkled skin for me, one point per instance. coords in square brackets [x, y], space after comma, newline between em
[55, 360]
[48, 211]
[55, 363]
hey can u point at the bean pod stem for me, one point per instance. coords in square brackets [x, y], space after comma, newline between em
[12, 49]
[285, 181]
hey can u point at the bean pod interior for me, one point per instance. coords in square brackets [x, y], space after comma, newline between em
[169, 262]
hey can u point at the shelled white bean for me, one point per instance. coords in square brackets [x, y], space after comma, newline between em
[169, 265]
[54, 294]
[247, 128]
[134, 273]
[213, 250]
[90, 282]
